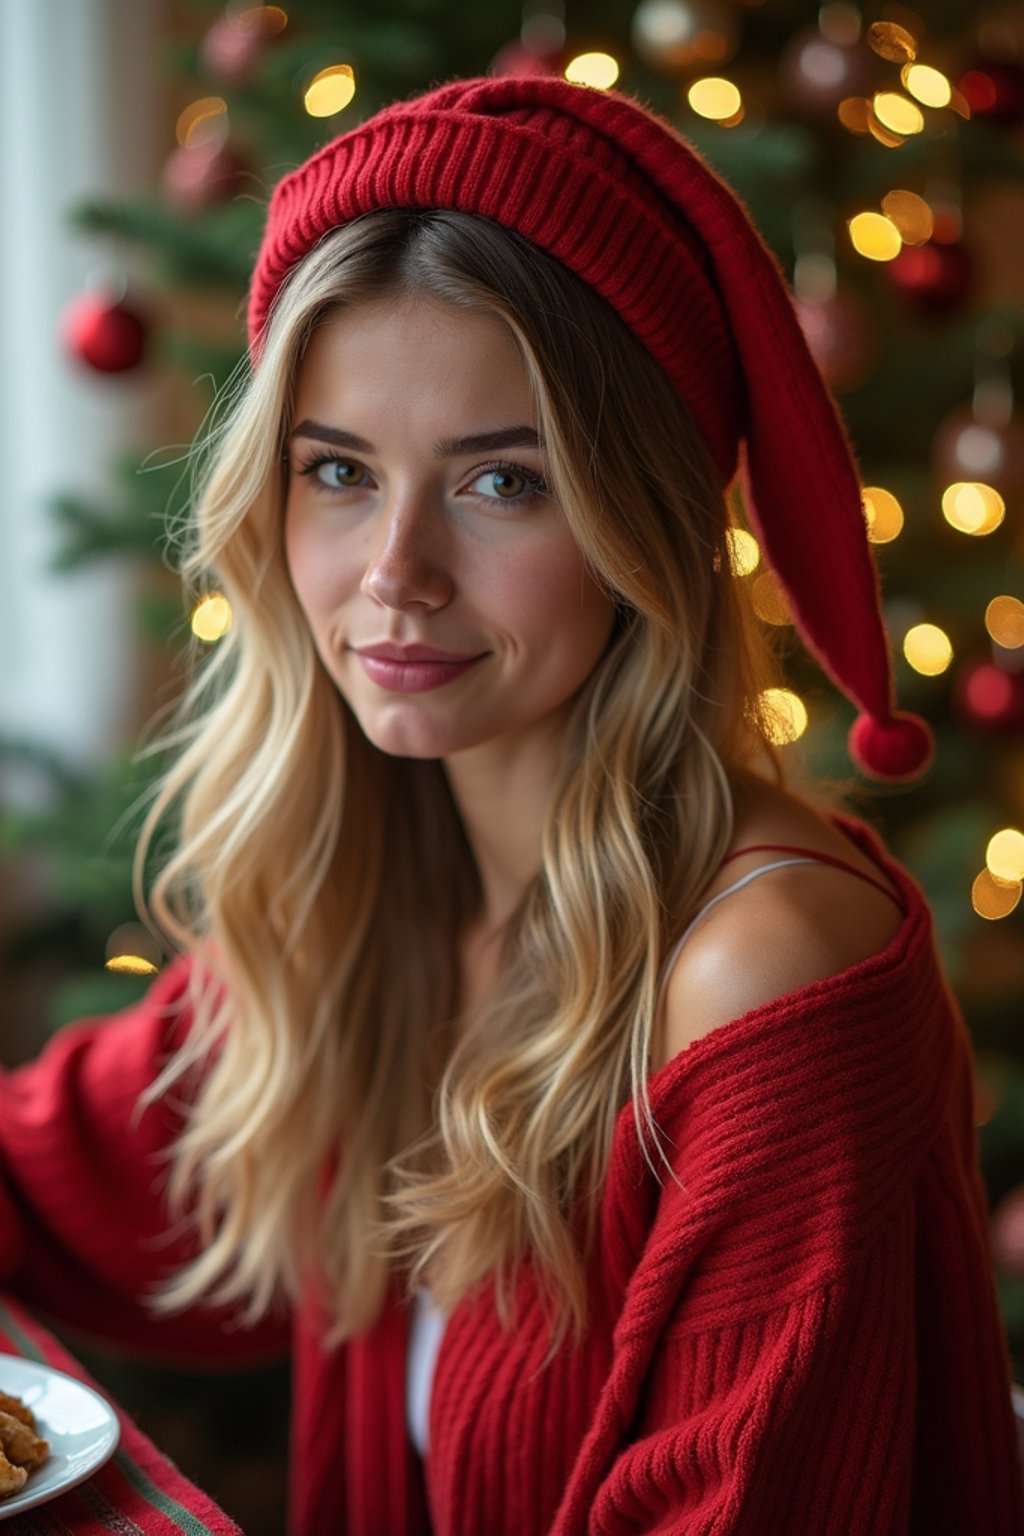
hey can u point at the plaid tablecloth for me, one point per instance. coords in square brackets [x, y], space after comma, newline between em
[138, 1492]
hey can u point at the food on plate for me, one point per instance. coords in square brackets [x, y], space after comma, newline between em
[21, 1448]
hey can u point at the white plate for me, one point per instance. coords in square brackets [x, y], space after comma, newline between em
[82, 1430]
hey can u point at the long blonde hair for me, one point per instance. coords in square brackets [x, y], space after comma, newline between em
[343, 1130]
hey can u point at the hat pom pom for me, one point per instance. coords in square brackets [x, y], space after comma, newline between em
[901, 747]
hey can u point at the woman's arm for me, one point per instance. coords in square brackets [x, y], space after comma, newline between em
[85, 1234]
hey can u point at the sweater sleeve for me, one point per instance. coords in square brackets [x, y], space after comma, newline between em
[809, 1340]
[85, 1235]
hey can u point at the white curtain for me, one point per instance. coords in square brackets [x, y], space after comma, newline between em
[81, 113]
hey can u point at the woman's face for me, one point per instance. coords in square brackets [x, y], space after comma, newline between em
[419, 523]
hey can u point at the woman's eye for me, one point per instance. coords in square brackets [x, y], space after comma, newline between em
[506, 483]
[337, 474]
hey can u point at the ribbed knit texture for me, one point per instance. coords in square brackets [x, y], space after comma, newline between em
[623, 201]
[803, 1340]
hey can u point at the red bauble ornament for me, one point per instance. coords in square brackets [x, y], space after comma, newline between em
[234, 45]
[932, 278]
[102, 331]
[819, 74]
[1007, 1229]
[966, 448]
[989, 699]
[197, 177]
[994, 88]
[842, 339]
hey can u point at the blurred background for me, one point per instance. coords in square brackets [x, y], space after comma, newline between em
[881, 151]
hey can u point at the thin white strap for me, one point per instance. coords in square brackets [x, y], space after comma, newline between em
[736, 885]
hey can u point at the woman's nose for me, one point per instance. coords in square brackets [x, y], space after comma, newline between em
[408, 563]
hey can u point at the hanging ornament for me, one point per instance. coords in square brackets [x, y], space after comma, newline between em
[199, 176]
[671, 35]
[933, 278]
[102, 330]
[988, 698]
[994, 89]
[234, 45]
[819, 72]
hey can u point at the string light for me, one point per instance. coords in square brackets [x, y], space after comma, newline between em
[1004, 856]
[211, 618]
[882, 513]
[892, 42]
[911, 215]
[769, 601]
[715, 98]
[928, 85]
[743, 551]
[927, 649]
[993, 898]
[897, 113]
[782, 715]
[201, 122]
[1004, 620]
[874, 236]
[972, 507]
[330, 91]
[598, 70]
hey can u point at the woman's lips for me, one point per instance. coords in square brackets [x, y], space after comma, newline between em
[413, 676]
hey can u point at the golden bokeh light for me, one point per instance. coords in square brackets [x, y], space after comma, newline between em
[892, 42]
[1004, 620]
[874, 236]
[882, 513]
[769, 601]
[881, 133]
[927, 85]
[783, 716]
[911, 215]
[265, 19]
[927, 649]
[211, 618]
[897, 112]
[854, 113]
[132, 951]
[131, 965]
[714, 98]
[972, 507]
[743, 551]
[330, 91]
[598, 70]
[993, 898]
[202, 122]
[1004, 855]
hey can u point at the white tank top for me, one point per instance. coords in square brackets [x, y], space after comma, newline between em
[428, 1322]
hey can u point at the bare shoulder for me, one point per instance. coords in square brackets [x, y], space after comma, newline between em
[784, 930]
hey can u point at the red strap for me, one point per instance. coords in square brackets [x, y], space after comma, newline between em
[824, 858]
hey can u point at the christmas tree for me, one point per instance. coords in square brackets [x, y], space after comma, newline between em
[881, 153]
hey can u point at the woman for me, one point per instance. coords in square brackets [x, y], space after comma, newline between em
[590, 1094]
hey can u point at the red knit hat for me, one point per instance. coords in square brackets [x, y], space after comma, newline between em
[621, 199]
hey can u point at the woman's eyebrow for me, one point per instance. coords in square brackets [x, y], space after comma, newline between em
[446, 448]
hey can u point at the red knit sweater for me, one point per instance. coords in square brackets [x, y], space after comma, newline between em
[803, 1340]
